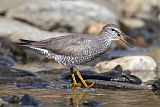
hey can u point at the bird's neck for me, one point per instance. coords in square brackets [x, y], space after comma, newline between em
[105, 39]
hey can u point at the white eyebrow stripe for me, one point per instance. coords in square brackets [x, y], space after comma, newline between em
[116, 29]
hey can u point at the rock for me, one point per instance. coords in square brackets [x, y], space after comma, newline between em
[11, 99]
[15, 30]
[33, 82]
[156, 85]
[112, 54]
[25, 100]
[95, 28]
[6, 61]
[59, 104]
[10, 75]
[101, 84]
[142, 9]
[5, 5]
[71, 16]
[116, 75]
[147, 33]
[132, 22]
[143, 67]
[130, 9]
[92, 103]
[86, 73]
[2, 102]
[28, 100]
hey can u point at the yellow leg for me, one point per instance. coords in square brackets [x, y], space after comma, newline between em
[74, 81]
[82, 80]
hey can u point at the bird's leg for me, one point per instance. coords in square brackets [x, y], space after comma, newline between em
[75, 84]
[82, 80]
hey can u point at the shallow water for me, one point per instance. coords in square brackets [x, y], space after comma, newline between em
[110, 98]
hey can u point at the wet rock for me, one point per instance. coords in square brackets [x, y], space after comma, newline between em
[33, 82]
[28, 100]
[116, 85]
[17, 30]
[91, 103]
[116, 75]
[11, 99]
[63, 15]
[25, 100]
[59, 104]
[10, 75]
[143, 67]
[6, 61]
[85, 73]
[115, 72]
[156, 85]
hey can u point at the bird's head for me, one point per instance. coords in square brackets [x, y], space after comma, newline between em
[113, 33]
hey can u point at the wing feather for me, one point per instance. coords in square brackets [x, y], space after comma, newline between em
[69, 45]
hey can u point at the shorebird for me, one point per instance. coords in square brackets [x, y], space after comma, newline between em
[74, 49]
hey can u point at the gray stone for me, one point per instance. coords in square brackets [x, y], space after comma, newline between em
[72, 16]
[116, 85]
[15, 30]
[132, 22]
[143, 67]
[141, 9]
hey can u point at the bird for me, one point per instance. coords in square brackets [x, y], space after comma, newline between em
[72, 50]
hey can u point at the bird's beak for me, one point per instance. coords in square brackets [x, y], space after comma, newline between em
[122, 36]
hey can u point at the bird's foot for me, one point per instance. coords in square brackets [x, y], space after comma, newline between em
[83, 81]
[85, 85]
[92, 84]
[76, 85]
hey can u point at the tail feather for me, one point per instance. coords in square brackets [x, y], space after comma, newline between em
[28, 41]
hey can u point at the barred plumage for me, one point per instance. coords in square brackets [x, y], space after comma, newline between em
[75, 49]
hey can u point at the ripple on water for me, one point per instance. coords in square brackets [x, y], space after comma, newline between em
[111, 98]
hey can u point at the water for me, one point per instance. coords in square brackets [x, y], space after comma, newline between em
[109, 98]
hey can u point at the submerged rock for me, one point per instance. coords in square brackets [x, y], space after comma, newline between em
[6, 61]
[143, 67]
[11, 99]
[33, 82]
[28, 100]
[62, 15]
[156, 85]
[25, 100]
[92, 103]
[10, 75]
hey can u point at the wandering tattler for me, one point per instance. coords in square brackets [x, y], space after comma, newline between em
[75, 49]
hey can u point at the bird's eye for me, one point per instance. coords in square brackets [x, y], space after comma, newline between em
[118, 34]
[112, 29]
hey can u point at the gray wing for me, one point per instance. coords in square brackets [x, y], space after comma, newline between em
[69, 45]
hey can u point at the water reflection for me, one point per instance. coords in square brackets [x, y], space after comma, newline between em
[85, 98]
[75, 100]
